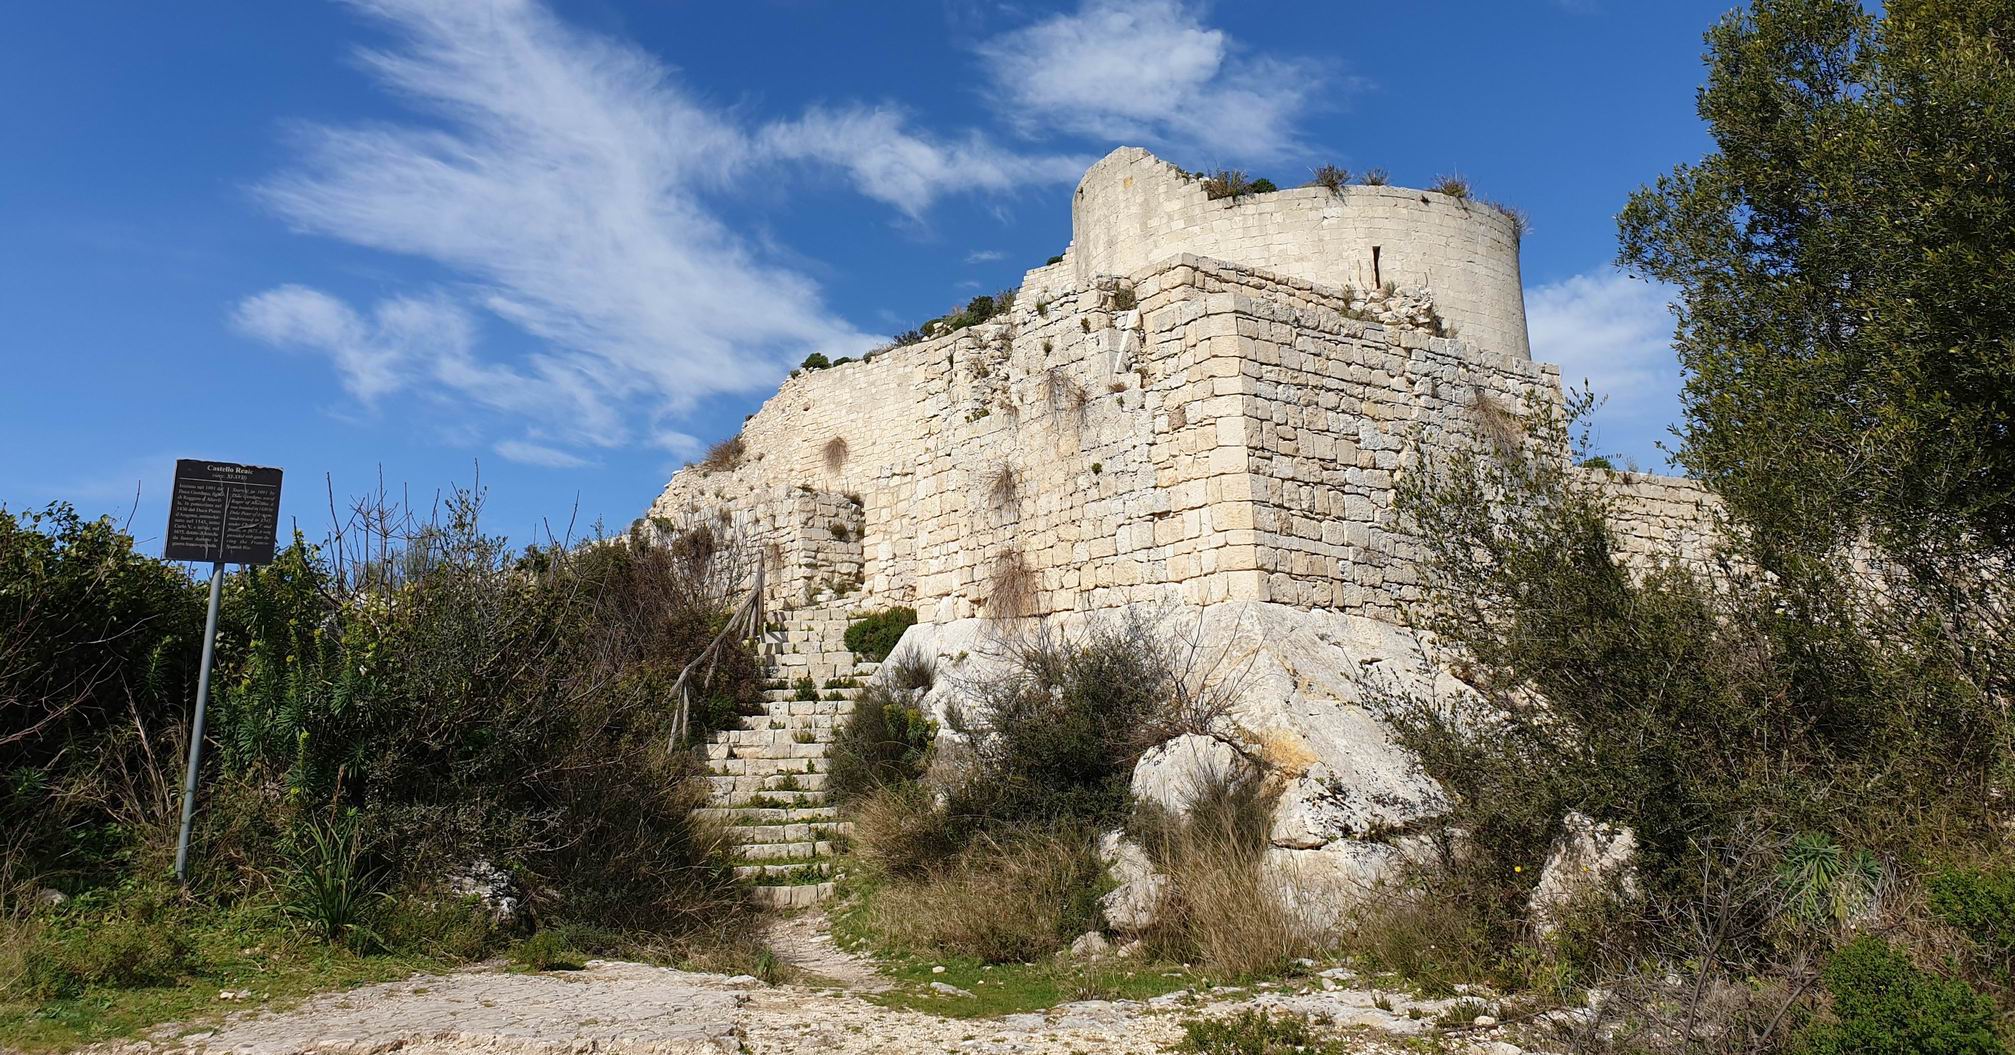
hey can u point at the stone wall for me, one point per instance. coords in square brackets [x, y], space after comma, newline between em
[1133, 209]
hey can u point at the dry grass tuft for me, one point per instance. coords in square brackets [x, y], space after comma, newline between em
[1496, 422]
[1331, 178]
[835, 453]
[1011, 585]
[1003, 487]
[1453, 186]
[723, 456]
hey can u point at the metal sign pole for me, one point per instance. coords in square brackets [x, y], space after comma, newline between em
[196, 732]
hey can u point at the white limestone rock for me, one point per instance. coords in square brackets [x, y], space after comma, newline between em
[1131, 905]
[1588, 859]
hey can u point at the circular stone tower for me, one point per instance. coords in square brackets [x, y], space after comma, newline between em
[1133, 209]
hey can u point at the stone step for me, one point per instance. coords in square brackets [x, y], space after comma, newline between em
[803, 895]
[775, 799]
[748, 816]
[799, 851]
[773, 873]
[767, 782]
[758, 834]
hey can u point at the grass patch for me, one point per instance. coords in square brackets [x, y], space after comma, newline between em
[256, 949]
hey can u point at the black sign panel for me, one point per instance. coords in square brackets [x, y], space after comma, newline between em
[223, 513]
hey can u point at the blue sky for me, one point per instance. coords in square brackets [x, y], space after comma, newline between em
[574, 243]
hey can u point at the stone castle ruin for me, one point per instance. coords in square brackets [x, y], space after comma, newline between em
[1198, 410]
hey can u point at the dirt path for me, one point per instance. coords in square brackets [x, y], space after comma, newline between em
[636, 1009]
[805, 941]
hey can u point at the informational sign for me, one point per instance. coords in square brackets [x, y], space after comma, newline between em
[222, 513]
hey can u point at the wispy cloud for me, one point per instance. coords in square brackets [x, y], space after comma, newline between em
[1151, 71]
[984, 256]
[526, 452]
[1614, 333]
[563, 177]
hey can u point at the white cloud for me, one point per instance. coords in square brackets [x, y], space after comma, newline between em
[1613, 332]
[563, 178]
[894, 166]
[985, 256]
[526, 452]
[1150, 71]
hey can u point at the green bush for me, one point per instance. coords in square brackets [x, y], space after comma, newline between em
[886, 740]
[1256, 1032]
[1885, 1005]
[872, 637]
[1980, 902]
[1012, 898]
[454, 928]
[1066, 722]
[815, 361]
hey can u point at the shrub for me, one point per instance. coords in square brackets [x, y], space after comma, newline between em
[723, 456]
[805, 689]
[1011, 585]
[1376, 177]
[885, 740]
[914, 671]
[1060, 730]
[1330, 178]
[1263, 185]
[1979, 902]
[1123, 299]
[815, 361]
[455, 928]
[873, 636]
[1228, 183]
[1057, 259]
[1885, 1005]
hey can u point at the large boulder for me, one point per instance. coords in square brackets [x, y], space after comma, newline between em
[1589, 860]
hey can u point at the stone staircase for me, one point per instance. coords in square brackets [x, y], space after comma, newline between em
[769, 776]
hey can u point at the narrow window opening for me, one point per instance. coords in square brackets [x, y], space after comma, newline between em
[1377, 281]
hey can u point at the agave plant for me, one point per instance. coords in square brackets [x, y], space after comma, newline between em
[332, 887]
[1824, 883]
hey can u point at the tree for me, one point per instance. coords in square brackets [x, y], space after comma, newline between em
[1845, 261]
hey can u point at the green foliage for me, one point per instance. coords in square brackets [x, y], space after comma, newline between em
[1058, 259]
[331, 886]
[548, 950]
[872, 637]
[1885, 1005]
[1691, 709]
[1980, 902]
[107, 943]
[98, 649]
[815, 361]
[1843, 260]
[886, 740]
[805, 689]
[1229, 183]
[1825, 884]
[1263, 185]
[1254, 1031]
